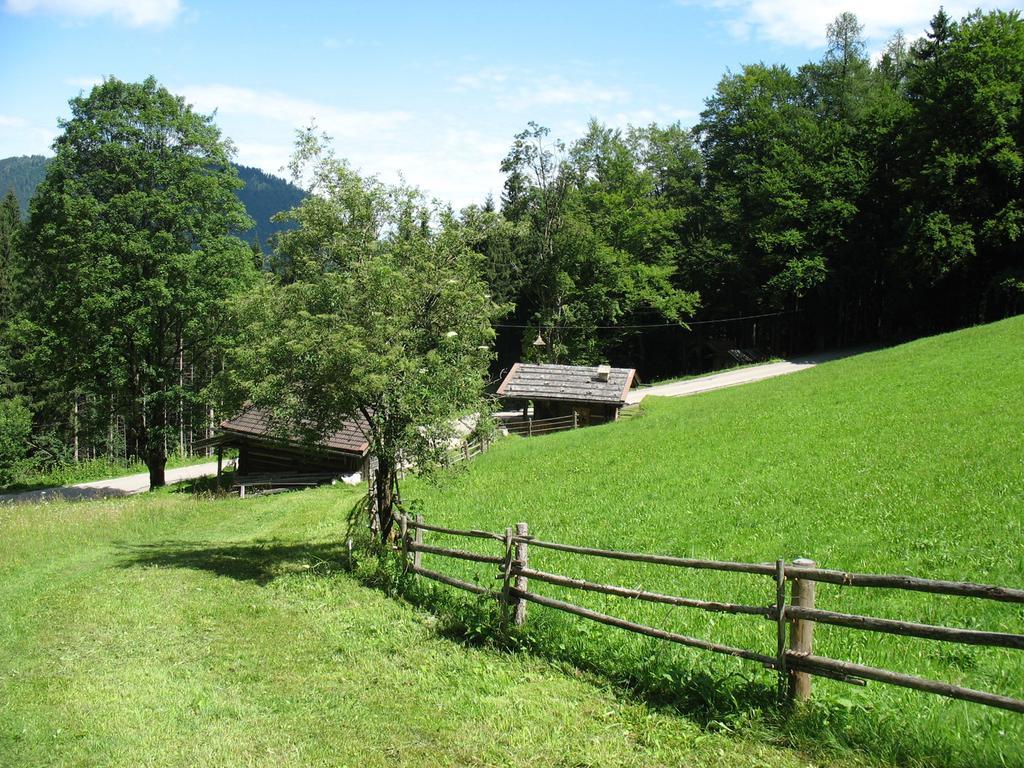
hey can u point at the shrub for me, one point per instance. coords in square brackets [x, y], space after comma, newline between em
[15, 427]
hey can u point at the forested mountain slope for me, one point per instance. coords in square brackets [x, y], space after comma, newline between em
[263, 195]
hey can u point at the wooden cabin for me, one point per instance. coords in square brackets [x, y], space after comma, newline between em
[594, 394]
[261, 452]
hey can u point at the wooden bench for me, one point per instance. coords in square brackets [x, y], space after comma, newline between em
[277, 483]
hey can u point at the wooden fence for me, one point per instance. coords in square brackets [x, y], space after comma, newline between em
[469, 449]
[794, 660]
[531, 427]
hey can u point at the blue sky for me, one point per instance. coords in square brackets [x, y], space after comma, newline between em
[435, 91]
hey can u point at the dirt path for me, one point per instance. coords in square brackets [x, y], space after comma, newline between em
[115, 486]
[732, 378]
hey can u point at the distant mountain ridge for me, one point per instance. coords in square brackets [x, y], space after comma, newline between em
[263, 195]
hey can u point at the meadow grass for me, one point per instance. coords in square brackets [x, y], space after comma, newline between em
[904, 460]
[168, 629]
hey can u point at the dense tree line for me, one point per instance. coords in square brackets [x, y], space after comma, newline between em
[882, 201]
[858, 200]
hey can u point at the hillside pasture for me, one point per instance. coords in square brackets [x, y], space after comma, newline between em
[906, 460]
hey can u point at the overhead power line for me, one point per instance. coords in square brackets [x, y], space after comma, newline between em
[645, 325]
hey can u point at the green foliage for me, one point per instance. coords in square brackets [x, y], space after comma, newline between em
[880, 200]
[15, 427]
[591, 243]
[10, 227]
[964, 144]
[905, 460]
[128, 260]
[381, 315]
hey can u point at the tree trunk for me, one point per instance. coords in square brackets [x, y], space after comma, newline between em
[385, 493]
[156, 448]
[156, 460]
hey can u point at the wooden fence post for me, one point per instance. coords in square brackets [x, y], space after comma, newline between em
[801, 632]
[465, 450]
[417, 556]
[780, 623]
[403, 534]
[529, 427]
[575, 420]
[506, 576]
[519, 616]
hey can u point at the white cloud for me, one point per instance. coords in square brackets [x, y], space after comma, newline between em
[84, 83]
[803, 22]
[522, 91]
[663, 114]
[272, 158]
[279, 107]
[133, 13]
[433, 150]
[453, 164]
[9, 121]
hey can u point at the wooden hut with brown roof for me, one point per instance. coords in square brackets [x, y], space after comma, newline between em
[594, 394]
[262, 452]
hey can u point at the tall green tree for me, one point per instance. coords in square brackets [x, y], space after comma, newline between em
[383, 318]
[759, 136]
[129, 258]
[963, 166]
[10, 227]
[595, 247]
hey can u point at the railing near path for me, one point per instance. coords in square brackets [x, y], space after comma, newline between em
[792, 612]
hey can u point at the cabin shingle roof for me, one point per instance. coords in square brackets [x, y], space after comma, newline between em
[574, 383]
[254, 422]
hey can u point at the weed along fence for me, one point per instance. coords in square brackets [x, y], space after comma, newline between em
[793, 613]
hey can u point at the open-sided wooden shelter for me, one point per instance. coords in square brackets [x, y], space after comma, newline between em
[593, 393]
[262, 452]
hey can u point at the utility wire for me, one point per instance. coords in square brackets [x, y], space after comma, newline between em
[679, 324]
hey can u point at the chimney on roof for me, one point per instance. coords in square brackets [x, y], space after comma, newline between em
[603, 372]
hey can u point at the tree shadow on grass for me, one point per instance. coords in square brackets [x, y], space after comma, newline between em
[260, 560]
[208, 485]
[256, 560]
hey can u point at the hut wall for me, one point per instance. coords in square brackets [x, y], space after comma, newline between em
[256, 458]
[587, 413]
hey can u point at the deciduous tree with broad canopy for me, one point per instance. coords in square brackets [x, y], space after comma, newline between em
[128, 259]
[378, 312]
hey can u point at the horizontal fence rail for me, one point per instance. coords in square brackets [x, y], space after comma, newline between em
[935, 586]
[642, 557]
[794, 661]
[639, 594]
[529, 427]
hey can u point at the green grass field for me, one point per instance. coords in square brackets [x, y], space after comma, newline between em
[172, 630]
[905, 460]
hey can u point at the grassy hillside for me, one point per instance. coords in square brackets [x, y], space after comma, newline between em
[169, 630]
[906, 460]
